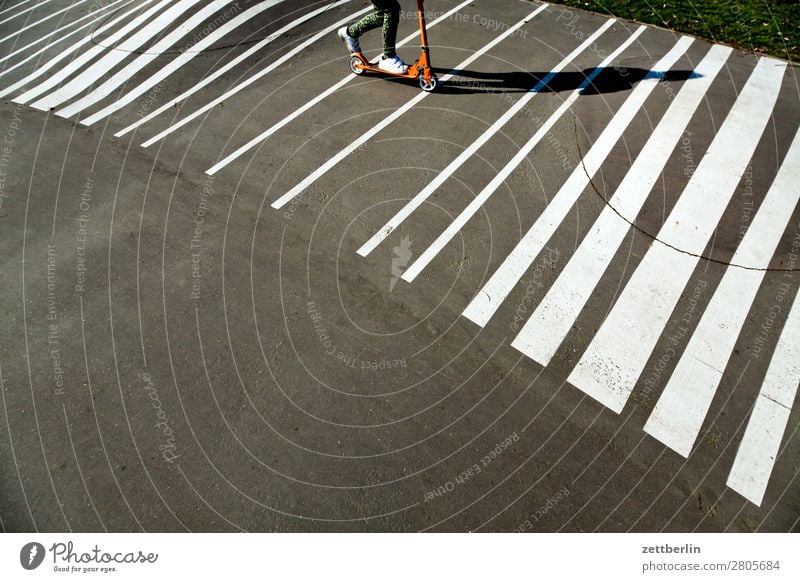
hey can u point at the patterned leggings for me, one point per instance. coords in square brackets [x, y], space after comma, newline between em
[386, 15]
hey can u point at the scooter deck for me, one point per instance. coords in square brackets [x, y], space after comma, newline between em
[373, 67]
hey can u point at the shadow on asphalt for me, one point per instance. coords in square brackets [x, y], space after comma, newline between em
[610, 80]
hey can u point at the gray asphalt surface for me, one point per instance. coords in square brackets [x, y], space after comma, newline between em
[178, 355]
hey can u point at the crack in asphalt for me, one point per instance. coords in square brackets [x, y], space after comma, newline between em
[649, 235]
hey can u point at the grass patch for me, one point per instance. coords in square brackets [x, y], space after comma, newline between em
[764, 26]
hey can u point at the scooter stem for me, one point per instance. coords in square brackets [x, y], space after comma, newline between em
[424, 62]
[423, 31]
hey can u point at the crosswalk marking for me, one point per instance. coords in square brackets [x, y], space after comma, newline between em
[16, 33]
[20, 3]
[611, 366]
[470, 151]
[126, 73]
[43, 68]
[112, 58]
[543, 333]
[679, 413]
[322, 96]
[472, 208]
[249, 81]
[326, 167]
[758, 450]
[86, 57]
[295, 114]
[484, 305]
[225, 68]
[93, 17]
[25, 10]
[619, 351]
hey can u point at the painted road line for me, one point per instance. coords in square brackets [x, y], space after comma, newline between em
[88, 78]
[186, 56]
[758, 450]
[85, 57]
[553, 319]
[93, 18]
[16, 34]
[17, 5]
[43, 68]
[324, 95]
[20, 3]
[326, 167]
[387, 229]
[472, 208]
[679, 413]
[484, 305]
[113, 57]
[228, 66]
[616, 356]
[246, 83]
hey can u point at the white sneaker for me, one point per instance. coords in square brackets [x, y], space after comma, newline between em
[352, 43]
[393, 65]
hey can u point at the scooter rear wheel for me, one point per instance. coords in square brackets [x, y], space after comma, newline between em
[428, 86]
[356, 65]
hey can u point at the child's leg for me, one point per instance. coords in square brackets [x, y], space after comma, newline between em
[391, 20]
[386, 15]
[372, 20]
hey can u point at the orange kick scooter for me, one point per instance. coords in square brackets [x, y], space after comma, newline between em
[420, 70]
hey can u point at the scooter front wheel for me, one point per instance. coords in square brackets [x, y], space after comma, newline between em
[356, 65]
[428, 86]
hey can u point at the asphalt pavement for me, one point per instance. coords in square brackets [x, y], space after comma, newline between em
[247, 290]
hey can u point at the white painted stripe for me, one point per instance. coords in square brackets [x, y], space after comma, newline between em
[553, 319]
[85, 57]
[43, 68]
[679, 413]
[41, 20]
[498, 125]
[614, 360]
[93, 17]
[322, 96]
[113, 57]
[21, 12]
[86, 80]
[488, 300]
[758, 451]
[472, 208]
[186, 56]
[226, 67]
[263, 72]
[326, 167]
[20, 3]
[759, 448]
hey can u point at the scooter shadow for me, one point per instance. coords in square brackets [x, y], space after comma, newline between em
[610, 80]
